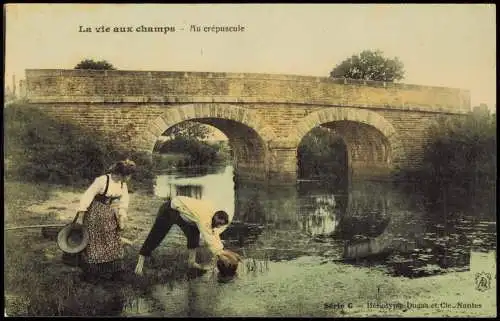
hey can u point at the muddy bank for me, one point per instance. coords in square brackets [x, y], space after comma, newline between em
[38, 283]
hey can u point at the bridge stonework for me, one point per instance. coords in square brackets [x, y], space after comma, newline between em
[264, 116]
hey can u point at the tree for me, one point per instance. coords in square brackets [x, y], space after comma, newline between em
[189, 130]
[187, 138]
[370, 65]
[321, 154]
[459, 164]
[96, 65]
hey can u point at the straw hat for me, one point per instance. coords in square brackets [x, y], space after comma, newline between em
[73, 238]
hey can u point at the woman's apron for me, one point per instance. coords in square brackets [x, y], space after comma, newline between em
[105, 252]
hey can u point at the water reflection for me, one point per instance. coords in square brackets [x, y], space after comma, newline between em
[273, 206]
[198, 297]
[214, 184]
[324, 217]
[202, 295]
[356, 223]
[99, 300]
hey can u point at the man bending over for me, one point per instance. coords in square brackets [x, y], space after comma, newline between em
[194, 217]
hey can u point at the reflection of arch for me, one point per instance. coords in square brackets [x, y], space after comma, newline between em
[320, 207]
[335, 114]
[175, 115]
[320, 217]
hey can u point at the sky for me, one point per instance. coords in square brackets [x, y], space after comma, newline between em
[450, 45]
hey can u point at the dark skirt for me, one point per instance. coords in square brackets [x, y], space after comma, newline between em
[104, 253]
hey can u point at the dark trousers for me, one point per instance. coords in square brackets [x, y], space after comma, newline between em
[165, 218]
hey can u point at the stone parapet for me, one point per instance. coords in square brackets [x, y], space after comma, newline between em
[123, 86]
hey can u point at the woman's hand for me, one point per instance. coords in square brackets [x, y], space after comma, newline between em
[121, 218]
[121, 223]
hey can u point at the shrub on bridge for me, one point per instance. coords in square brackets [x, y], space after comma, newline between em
[39, 148]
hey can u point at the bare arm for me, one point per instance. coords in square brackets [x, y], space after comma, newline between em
[123, 207]
[95, 188]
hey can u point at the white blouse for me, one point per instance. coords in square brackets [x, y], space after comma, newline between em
[201, 213]
[115, 189]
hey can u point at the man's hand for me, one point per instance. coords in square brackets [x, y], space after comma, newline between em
[203, 267]
[207, 266]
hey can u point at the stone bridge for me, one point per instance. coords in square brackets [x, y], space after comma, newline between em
[264, 116]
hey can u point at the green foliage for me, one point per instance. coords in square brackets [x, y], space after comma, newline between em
[144, 176]
[459, 166]
[369, 65]
[463, 150]
[189, 130]
[321, 154]
[165, 162]
[95, 65]
[186, 139]
[198, 152]
[39, 148]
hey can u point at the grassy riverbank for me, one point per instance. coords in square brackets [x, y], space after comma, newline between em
[38, 283]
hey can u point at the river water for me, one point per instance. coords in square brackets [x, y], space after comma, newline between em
[363, 224]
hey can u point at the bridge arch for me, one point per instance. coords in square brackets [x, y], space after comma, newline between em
[248, 134]
[363, 131]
